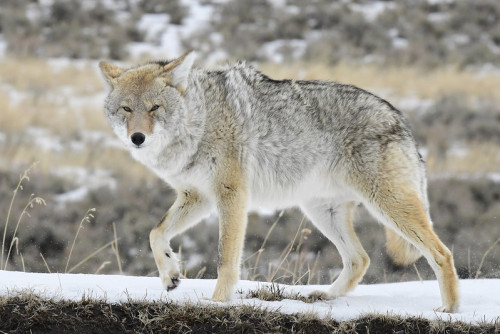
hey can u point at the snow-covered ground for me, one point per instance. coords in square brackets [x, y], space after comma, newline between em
[480, 299]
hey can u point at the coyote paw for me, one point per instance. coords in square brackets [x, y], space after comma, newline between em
[170, 282]
[222, 293]
[447, 308]
[220, 297]
[319, 295]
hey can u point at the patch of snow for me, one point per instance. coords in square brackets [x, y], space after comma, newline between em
[133, 252]
[76, 146]
[494, 48]
[15, 97]
[193, 261]
[61, 63]
[216, 57]
[278, 3]
[454, 40]
[438, 17]
[94, 179]
[163, 40]
[44, 140]
[198, 19]
[424, 151]
[76, 195]
[46, 3]
[33, 13]
[171, 42]
[85, 180]
[436, 2]
[400, 43]
[104, 139]
[371, 10]
[295, 10]
[3, 46]
[275, 51]
[485, 70]
[492, 176]
[479, 298]
[495, 177]
[458, 150]
[153, 25]
[397, 41]
[216, 38]
[187, 242]
[413, 103]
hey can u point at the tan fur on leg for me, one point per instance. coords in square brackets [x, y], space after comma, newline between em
[232, 197]
[401, 208]
[188, 209]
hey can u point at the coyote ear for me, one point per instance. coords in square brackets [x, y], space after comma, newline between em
[177, 71]
[110, 72]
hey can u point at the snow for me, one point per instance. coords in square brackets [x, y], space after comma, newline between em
[491, 176]
[3, 47]
[275, 50]
[480, 299]
[44, 140]
[86, 181]
[163, 40]
[371, 10]
[76, 195]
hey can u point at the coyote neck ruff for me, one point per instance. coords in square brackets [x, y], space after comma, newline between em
[233, 140]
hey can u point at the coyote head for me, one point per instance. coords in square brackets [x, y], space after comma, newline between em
[146, 102]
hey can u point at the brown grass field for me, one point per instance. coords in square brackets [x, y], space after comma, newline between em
[66, 101]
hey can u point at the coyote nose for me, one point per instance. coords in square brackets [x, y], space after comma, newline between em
[138, 138]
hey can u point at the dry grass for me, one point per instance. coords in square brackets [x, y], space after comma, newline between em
[294, 265]
[38, 94]
[477, 158]
[274, 292]
[38, 75]
[25, 312]
[66, 101]
[15, 240]
[408, 81]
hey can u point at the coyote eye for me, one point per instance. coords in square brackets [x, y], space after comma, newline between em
[155, 107]
[127, 109]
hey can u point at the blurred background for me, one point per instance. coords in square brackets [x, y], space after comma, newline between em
[435, 60]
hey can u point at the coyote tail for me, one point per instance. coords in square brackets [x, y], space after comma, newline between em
[401, 251]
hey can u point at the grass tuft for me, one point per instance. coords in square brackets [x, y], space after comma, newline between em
[26, 312]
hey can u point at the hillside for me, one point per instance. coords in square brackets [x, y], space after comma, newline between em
[427, 33]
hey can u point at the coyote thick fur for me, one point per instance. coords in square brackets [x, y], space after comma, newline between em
[233, 140]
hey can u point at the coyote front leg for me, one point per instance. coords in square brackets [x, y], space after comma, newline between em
[231, 193]
[188, 209]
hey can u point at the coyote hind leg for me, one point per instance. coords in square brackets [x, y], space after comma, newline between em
[335, 222]
[407, 217]
[398, 203]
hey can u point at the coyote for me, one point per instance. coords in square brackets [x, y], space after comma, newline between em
[233, 140]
